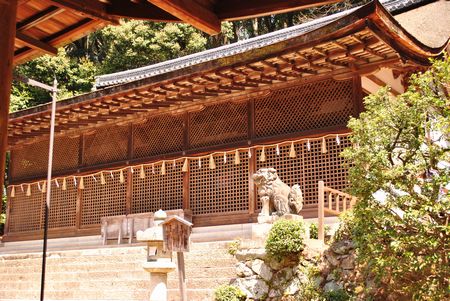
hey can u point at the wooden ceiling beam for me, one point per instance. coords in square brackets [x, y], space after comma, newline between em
[38, 18]
[36, 44]
[139, 10]
[238, 9]
[89, 8]
[191, 12]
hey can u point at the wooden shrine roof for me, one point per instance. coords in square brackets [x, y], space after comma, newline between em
[44, 25]
[354, 42]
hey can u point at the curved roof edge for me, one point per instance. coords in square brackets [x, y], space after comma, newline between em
[372, 15]
[387, 7]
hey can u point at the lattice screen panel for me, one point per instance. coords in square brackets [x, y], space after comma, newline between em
[306, 107]
[159, 135]
[106, 145]
[63, 205]
[158, 191]
[218, 124]
[26, 211]
[309, 167]
[220, 190]
[31, 159]
[103, 200]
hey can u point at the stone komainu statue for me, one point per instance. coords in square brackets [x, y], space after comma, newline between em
[275, 195]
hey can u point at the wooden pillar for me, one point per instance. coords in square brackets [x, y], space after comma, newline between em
[8, 11]
[321, 217]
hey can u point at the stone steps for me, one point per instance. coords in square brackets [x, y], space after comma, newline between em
[110, 273]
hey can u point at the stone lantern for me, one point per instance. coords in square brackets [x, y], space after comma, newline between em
[159, 262]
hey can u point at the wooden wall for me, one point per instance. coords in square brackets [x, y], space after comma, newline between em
[223, 195]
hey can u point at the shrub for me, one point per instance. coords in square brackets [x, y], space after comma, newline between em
[338, 295]
[234, 246]
[400, 172]
[229, 293]
[285, 238]
[313, 231]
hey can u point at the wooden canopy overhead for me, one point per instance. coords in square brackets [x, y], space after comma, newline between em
[44, 25]
[355, 42]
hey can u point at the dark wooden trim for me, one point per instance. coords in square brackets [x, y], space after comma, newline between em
[186, 130]
[130, 147]
[251, 186]
[36, 44]
[223, 219]
[81, 147]
[251, 118]
[358, 96]
[79, 208]
[186, 187]
[38, 18]
[8, 15]
[129, 192]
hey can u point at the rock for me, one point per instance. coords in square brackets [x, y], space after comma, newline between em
[242, 270]
[250, 254]
[274, 293]
[331, 258]
[261, 269]
[332, 286]
[317, 281]
[282, 277]
[293, 287]
[342, 247]
[254, 287]
[280, 264]
[348, 263]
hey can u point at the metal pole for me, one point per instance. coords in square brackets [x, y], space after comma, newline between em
[49, 186]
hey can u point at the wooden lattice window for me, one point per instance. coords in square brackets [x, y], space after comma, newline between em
[31, 160]
[218, 124]
[310, 106]
[107, 144]
[103, 200]
[157, 191]
[26, 211]
[159, 135]
[309, 166]
[63, 205]
[220, 190]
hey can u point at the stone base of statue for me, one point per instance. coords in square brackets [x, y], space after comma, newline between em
[265, 223]
[270, 219]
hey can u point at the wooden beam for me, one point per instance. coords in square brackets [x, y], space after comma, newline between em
[89, 8]
[238, 9]
[36, 44]
[139, 10]
[191, 12]
[8, 15]
[38, 18]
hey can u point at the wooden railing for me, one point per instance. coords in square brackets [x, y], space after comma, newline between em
[337, 203]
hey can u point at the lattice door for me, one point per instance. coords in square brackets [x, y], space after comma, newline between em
[106, 145]
[220, 190]
[309, 166]
[218, 124]
[306, 107]
[158, 191]
[103, 200]
[159, 135]
[63, 205]
[26, 211]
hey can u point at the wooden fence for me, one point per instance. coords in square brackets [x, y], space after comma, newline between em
[337, 203]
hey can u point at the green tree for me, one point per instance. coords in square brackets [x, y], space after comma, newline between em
[400, 171]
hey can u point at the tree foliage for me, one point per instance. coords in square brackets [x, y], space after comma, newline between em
[400, 173]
